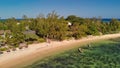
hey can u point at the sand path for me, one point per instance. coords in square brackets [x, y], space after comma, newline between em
[26, 56]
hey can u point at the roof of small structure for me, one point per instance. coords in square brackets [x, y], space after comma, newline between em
[29, 32]
[4, 31]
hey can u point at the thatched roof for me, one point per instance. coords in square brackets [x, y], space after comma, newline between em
[1, 32]
[4, 31]
[8, 31]
[29, 32]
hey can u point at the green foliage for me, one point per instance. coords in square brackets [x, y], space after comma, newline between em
[114, 24]
[2, 26]
[16, 39]
[3, 49]
[31, 37]
[54, 27]
[78, 30]
[29, 42]
[51, 27]
[41, 40]
[75, 19]
[92, 30]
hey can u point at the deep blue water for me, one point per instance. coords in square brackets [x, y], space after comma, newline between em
[3, 20]
[107, 20]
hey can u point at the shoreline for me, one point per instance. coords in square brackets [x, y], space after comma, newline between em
[41, 50]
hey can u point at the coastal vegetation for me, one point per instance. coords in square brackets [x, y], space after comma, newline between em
[14, 32]
[102, 54]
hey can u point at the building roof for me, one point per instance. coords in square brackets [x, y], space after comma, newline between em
[29, 32]
[4, 31]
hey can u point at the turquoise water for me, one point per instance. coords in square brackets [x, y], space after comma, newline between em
[103, 54]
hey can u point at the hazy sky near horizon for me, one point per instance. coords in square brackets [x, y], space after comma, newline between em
[82, 8]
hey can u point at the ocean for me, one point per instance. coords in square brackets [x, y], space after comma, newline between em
[107, 19]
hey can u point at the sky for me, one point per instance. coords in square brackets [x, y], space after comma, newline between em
[82, 8]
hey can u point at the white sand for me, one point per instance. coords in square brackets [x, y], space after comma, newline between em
[41, 50]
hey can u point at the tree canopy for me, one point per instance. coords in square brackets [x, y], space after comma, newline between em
[54, 27]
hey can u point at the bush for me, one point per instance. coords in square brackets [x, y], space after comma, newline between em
[30, 42]
[41, 40]
[3, 49]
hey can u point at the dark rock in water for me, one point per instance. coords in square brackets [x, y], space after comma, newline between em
[13, 49]
[80, 50]
[23, 45]
[89, 45]
[8, 50]
[20, 47]
[26, 46]
[1, 52]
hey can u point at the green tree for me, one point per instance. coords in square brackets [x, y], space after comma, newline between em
[51, 27]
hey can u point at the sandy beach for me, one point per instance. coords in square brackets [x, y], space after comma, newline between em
[42, 50]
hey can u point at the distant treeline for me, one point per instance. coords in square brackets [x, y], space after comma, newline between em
[13, 31]
[102, 19]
